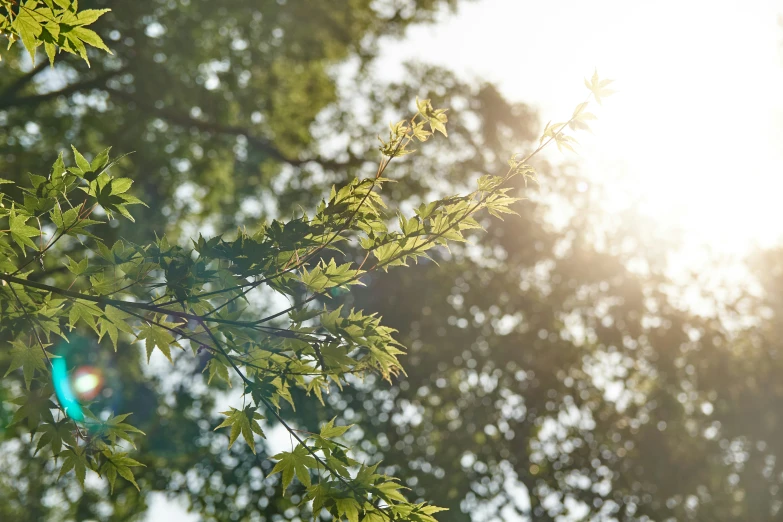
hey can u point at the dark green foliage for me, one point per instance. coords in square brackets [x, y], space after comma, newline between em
[170, 296]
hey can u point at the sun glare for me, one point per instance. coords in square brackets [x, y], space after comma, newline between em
[692, 138]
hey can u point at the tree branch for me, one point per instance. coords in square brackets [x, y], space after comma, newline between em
[23, 80]
[36, 99]
[183, 120]
[100, 300]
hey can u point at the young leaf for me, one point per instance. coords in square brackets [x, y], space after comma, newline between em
[28, 27]
[297, 462]
[349, 508]
[20, 232]
[36, 407]
[329, 430]
[244, 422]
[115, 428]
[28, 357]
[55, 435]
[119, 464]
[155, 335]
[75, 459]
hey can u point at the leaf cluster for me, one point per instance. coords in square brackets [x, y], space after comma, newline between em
[58, 25]
[197, 298]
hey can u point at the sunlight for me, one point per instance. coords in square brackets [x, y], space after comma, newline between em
[693, 136]
[697, 125]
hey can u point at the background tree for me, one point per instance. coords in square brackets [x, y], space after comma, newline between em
[588, 386]
[119, 287]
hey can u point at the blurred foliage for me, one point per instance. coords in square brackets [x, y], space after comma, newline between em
[550, 370]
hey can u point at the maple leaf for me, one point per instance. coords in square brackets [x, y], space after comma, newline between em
[216, 367]
[156, 335]
[28, 358]
[119, 464]
[115, 428]
[293, 463]
[86, 312]
[244, 422]
[75, 459]
[348, 507]
[598, 87]
[329, 430]
[114, 322]
[55, 434]
[36, 407]
[20, 231]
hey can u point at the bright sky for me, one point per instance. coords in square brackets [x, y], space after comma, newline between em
[696, 128]
[694, 132]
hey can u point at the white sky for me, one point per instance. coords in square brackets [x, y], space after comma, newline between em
[694, 132]
[696, 128]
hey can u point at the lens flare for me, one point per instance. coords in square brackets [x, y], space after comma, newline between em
[64, 392]
[80, 373]
[87, 382]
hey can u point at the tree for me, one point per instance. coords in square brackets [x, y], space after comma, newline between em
[221, 102]
[171, 296]
[559, 365]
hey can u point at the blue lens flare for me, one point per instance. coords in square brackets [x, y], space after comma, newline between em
[63, 390]
[78, 374]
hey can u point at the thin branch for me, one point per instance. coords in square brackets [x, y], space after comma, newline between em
[430, 240]
[178, 118]
[36, 99]
[32, 323]
[269, 406]
[23, 80]
[100, 300]
[300, 263]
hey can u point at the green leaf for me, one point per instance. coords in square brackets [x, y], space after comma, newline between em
[120, 185]
[51, 52]
[29, 358]
[89, 16]
[36, 407]
[389, 491]
[430, 510]
[75, 459]
[20, 232]
[329, 430]
[100, 160]
[28, 27]
[157, 336]
[216, 367]
[349, 508]
[119, 464]
[115, 321]
[244, 422]
[115, 428]
[55, 434]
[297, 462]
[86, 312]
[81, 162]
[90, 37]
[329, 275]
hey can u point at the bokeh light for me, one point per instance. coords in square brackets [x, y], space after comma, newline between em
[83, 376]
[87, 382]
